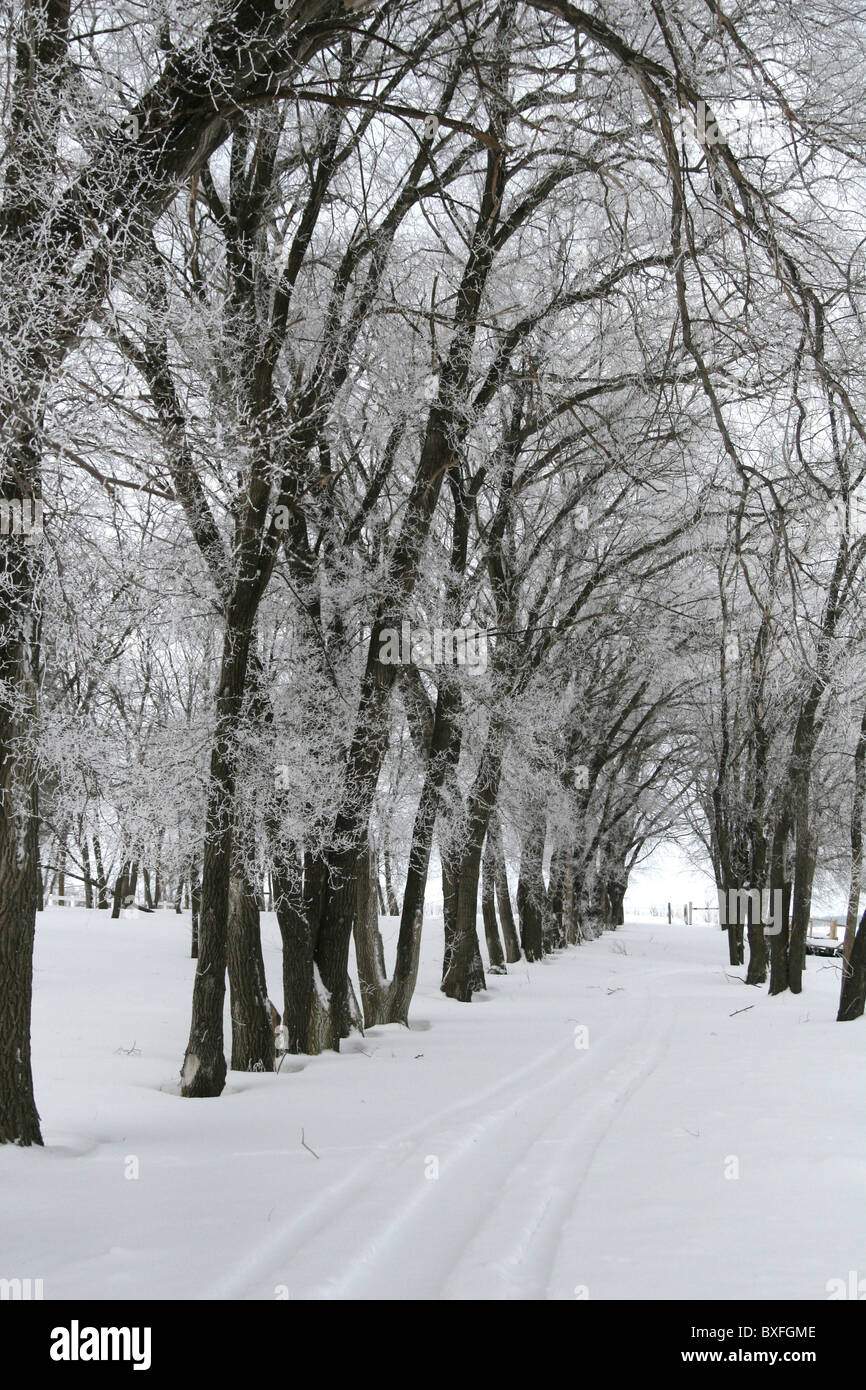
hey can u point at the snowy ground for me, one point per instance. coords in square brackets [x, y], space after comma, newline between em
[563, 1171]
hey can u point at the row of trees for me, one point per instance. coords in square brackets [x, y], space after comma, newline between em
[326, 321]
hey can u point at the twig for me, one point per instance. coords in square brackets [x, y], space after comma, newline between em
[306, 1146]
[741, 1011]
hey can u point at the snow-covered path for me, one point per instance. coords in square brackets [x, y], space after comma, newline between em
[484, 1153]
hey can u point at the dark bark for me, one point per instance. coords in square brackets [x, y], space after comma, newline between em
[852, 1000]
[204, 1068]
[756, 972]
[252, 1029]
[531, 891]
[858, 802]
[195, 907]
[390, 895]
[19, 854]
[616, 890]
[495, 953]
[121, 889]
[441, 749]
[450, 869]
[804, 871]
[101, 880]
[503, 897]
[464, 973]
[736, 944]
[295, 900]
[462, 966]
[85, 863]
[331, 950]
[556, 927]
[778, 881]
[369, 951]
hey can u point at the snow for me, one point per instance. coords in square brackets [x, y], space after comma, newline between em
[564, 1171]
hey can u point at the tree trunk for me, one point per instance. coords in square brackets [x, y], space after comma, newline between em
[19, 844]
[195, 904]
[804, 870]
[19, 853]
[441, 757]
[101, 880]
[531, 891]
[369, 951]
[390, 895]
[121, 889]
[616, 891]
[556, 900]
[495, 954]
[778, 881]
[252, 1029]
[756, 973]
[85, 861]
[858, 802]
[464, 973]
[853, 997]
[204, 1067]
[503, 897]
[331, 950]
[296, 903]
[570, 899]
[450, 870]
[462, 967]
[736, 944]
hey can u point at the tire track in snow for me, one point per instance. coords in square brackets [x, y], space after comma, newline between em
[248, 1277]
[441, 1221]
[515, 1252]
